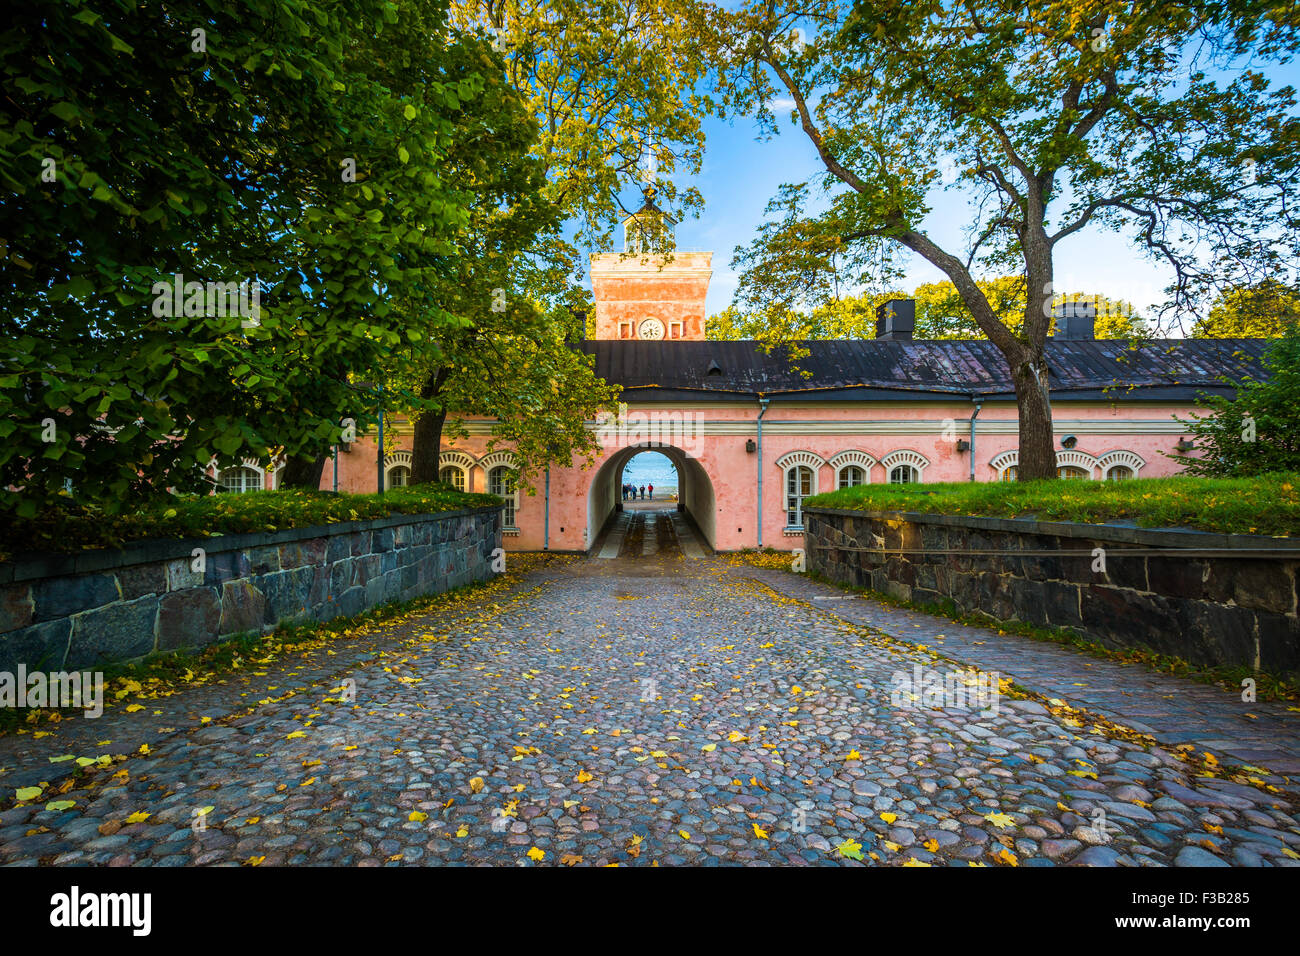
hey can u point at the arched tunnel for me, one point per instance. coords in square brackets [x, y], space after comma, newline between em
[694, 490]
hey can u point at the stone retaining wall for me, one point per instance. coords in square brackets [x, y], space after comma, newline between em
[1210, 610]
[79, 611]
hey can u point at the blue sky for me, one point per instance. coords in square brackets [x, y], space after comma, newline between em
[740, 175]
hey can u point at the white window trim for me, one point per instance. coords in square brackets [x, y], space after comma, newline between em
[905, 456]
[1000, 463]
[1077, 459]
[811, 459]
[785, 493]
[443, 465]
[1120, 458]
[398, 459]
[1072, 458]
[841, 460]
[490, 464]
[248, 463]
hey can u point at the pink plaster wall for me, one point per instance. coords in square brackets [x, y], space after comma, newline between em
[724, 503]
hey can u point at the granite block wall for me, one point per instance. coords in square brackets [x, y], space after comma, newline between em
[1210, 599]
[79, 611]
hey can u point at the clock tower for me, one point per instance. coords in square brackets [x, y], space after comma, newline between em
[648, 295]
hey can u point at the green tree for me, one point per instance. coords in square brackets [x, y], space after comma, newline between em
[1257, 430]
[507, 355]
[941, 313]
[222, 143]
[612, 84]
[1051, 117]
[1264, 310]
[610, 90]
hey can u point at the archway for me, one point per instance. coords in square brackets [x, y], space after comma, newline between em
[652, 471]
[694, 490]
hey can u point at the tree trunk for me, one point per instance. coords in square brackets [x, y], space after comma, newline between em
[1029, 364]
[1037, 447]
[303, 472]
[426, 444]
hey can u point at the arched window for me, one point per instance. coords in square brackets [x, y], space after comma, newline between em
[399, 476]
[502, 484]
[1009, 473]
[1120, 465]
[1073, 472]
[905, 467]
[800, 469]
[452, 475]
[904, 475]
[240, 479]
[851, 475]
[852, 467]
[798, 486]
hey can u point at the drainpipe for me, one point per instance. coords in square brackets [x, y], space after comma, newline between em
[546, 520]
[978, 405]
[762, 410]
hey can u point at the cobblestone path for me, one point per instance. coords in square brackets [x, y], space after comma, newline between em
[658, 710]
[1172, 710]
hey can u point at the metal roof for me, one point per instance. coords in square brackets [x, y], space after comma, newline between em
[844, 369]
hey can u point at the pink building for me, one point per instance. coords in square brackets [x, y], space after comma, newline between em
[752, 436]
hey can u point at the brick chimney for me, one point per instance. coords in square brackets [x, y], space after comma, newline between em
[1075, 321]
[896, 320]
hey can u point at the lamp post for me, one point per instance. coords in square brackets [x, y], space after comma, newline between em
[379, 454]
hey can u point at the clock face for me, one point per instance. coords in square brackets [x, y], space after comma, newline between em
[651, 329]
